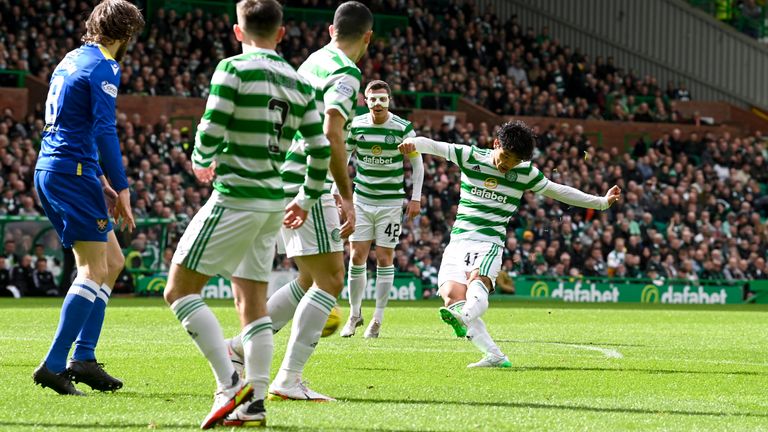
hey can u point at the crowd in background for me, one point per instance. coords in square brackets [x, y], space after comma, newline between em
[447, 47]
[682, 216]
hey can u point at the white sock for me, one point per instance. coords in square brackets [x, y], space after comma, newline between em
[477, 301]
[358, 279]
[258, 347]
[201, 324]
[478, 334]
[282, 305]
[308, 323]
[385, 278]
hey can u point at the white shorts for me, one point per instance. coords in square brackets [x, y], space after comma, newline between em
[320, 233]
[382, 224]
[230, 242]
[462, 257]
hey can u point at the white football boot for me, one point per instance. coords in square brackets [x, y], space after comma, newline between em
[225, 401]
[492, 361]
[249, 414]
[298, 391]
[352, 324]
[372, 331]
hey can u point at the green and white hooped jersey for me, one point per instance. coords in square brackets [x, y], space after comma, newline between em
[258, 102]
[379, 179]
[488, 197]
[336, 80]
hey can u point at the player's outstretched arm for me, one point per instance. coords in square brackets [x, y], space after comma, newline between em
[577, 198]
[425, 145]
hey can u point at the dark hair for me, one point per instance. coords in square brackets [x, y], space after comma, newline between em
[112, 21]
[260, 18]
[378, 85]
[352, 20]
[517, 138]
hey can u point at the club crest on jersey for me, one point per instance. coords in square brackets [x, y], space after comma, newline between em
[491, 183]
[511, 176]
[376, 150]
[101, 225]
[336, 235]
[390, 139]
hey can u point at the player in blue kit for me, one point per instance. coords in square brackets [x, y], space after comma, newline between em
[76, 194]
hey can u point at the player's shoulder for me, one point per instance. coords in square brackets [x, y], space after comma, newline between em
[337, 62]
[363, 120]
[525, 169]
[400, 123]
[98, 60]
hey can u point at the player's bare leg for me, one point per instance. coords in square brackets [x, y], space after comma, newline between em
[358, 280]
[182, 293]
[83, 367]
[327, 272]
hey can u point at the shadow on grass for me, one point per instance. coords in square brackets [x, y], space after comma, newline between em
[533, 405]
[646, 371]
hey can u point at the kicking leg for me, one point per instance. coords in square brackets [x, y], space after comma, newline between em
[454, 295]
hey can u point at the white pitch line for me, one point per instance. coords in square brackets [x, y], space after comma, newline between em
[610, 353]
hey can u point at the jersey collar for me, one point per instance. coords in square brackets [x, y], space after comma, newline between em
[248, 49]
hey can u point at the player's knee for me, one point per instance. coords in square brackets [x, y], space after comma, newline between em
[385, 257]
[357, 257]
[116, 262]
[476, 276]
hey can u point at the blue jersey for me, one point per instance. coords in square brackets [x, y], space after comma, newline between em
[80, 117]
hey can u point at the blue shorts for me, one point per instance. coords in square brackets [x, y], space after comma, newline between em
[75, 206]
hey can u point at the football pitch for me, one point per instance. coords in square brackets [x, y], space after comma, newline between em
[575, 367]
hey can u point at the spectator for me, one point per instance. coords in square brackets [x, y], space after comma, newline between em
[43, 283]
[21, 276]
[5, 279]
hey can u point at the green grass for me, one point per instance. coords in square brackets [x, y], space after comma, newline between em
[683, 368]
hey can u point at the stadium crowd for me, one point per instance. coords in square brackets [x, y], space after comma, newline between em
[682, 217]
[504, 66]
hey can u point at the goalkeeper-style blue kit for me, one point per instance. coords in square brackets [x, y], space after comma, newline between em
[79, 131]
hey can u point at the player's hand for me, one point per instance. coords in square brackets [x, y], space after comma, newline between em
[339, 200]
[110, 196]
[347, 213]
[613, 195]
[123, 211]
[205, 175]
[294, 215]
[413, 209]
[407, 146]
